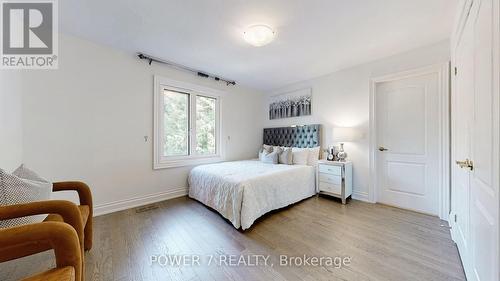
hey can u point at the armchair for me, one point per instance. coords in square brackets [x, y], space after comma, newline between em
[60, 237]
[79, 217]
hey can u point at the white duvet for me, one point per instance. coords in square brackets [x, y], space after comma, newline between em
[242, 191]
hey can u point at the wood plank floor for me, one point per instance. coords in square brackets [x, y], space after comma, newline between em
[383, 243]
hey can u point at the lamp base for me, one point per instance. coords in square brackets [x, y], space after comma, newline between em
[341, 155]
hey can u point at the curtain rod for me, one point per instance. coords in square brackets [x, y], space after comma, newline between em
[152, 59]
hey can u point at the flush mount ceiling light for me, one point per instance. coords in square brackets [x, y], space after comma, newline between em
[258, 35]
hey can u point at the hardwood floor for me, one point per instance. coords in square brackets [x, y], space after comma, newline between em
[383, 243]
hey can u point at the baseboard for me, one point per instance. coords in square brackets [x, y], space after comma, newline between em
[359, 195]
[121, 205]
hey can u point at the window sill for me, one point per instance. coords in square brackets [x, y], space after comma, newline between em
[186, 162]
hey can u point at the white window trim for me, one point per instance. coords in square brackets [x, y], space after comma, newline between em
[162, 162]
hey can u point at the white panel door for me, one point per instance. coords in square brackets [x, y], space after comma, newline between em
[461, 124]
[407, 114]
[475, 137]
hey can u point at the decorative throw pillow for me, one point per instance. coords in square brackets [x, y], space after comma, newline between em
[313, 156]
[25, 187]
[300, 156]
[25, 173]
[269, 158]
[268, 148]
[286, 156]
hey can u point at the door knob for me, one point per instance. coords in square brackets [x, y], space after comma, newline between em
[468, 164]
[381, 148]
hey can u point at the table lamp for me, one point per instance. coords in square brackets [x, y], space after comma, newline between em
[342, 135]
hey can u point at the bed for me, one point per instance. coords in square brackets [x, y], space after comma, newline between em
[243, 191]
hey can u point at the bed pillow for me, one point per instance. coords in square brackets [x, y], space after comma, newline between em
[300, 156]
[266, 148]
[313, 156]
[285, 156]
[22, 186]
[261, 151]
[269, 157]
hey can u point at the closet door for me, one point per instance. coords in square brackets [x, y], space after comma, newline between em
[475, 143]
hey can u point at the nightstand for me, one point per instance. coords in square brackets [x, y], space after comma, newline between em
[335, 179]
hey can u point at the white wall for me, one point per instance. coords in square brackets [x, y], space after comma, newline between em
[342, 99]
[11, 138]
[87, 121]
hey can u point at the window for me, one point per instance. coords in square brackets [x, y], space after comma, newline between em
[187, 124]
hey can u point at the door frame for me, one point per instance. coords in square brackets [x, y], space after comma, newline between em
[443, 71]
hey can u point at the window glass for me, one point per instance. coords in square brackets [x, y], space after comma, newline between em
[176, 123]
[205, 125]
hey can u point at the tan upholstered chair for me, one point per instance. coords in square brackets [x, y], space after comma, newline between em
[59, 236]
[78, 216]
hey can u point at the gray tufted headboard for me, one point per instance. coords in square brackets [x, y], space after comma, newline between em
[299, 136]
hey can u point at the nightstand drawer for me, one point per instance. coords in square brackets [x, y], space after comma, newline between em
[330, 169]
[332, 188]
[330, 178]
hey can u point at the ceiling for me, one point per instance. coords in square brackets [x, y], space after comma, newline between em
[313, 37]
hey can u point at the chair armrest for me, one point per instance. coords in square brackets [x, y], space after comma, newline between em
[60, 236]
[83, 190]
[66, 209]
[85, 199]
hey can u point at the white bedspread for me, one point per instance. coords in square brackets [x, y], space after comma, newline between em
[242, 191]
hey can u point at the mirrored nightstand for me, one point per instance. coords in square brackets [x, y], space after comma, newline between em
[335, 179]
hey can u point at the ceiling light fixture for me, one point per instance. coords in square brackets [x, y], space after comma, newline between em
[258, 35]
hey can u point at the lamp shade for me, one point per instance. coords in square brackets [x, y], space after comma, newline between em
[344, 134]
